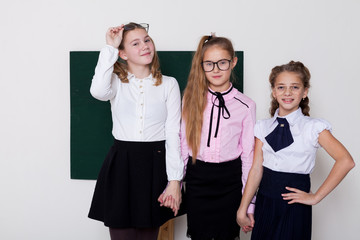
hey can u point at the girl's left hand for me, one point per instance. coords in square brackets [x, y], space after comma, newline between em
[298, 196]
[171, 197]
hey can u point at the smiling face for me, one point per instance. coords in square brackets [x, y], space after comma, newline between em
[138, 48]
[288, 91]
[219, 81]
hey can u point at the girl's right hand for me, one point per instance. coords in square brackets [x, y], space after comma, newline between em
[114, 36]
[245, 221]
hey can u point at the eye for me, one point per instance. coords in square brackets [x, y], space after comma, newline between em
[147, 40]
[135, 44]
[208, 64]
[280, 87]
[295, 87]
[223, 62]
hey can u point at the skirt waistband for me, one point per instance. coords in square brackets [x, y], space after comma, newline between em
[137, 145]
[210, 173]
[273, 183]
[230, 163]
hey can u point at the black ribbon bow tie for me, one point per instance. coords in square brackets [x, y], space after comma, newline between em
[281, 136]
[222, 110]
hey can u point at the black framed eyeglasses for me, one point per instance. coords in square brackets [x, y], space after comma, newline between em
[132, 26]
[223, 65]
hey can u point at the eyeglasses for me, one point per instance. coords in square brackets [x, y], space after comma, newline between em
[132, 26]
[223, 65]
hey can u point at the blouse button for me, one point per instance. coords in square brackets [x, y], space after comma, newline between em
[140, 86]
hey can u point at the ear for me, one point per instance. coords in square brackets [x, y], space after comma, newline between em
[273, 93]
[122, 55]
[234, 62]
[306, 92]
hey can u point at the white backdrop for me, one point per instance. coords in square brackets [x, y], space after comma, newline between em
[39, 201]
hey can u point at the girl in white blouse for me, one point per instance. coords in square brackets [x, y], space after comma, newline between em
[143, 167]
[285, 152]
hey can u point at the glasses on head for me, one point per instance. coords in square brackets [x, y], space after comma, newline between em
[132, 26]
[223, 65]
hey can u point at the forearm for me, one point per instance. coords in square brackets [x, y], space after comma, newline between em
[343, 164]
[251, 187]
[336, 175]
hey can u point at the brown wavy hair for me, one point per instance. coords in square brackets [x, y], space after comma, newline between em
[121, 67]
[194, 100]
[304, 75]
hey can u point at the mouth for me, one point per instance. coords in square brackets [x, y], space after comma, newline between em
[287, 100]
[146, 54]
[216, 76]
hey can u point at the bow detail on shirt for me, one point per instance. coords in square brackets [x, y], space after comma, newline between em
[222, 110]
[281, 136]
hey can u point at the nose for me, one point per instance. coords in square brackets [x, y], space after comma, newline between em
[287, 91]
[144, 46]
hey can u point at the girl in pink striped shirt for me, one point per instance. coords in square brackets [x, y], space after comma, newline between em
[217, 142]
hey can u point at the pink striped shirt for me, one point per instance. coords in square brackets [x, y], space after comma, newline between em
[235, 135]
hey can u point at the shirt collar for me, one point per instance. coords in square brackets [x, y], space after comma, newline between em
[291, 118]
[132, 76]
[228, 93]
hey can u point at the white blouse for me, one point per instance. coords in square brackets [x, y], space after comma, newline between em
[300, 156]
[141, 111]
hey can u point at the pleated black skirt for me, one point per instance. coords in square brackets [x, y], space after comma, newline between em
[130, 181]
[213, 195]
[275, 219]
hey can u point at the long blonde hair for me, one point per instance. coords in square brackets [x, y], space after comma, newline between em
[195, 100]
[121, 67]
[304, 75]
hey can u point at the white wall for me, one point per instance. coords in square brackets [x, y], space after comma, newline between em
[39, 201]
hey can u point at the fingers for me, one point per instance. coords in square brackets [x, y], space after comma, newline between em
[176, 210]
[161, 200]
[114, 36]
[246, 229]
[243, 221]
[252, 220]
[293, 189]
[116, 29]
[298, 196]
[171, 203]
[171, 197]
[291, 197]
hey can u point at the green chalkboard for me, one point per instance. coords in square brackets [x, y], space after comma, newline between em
[90, 129]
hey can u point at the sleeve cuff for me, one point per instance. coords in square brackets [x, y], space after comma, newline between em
[251, 208]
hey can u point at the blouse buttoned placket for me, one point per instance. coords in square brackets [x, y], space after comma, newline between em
[213, 150]
[140, 113]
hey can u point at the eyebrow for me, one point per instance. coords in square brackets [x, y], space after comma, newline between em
[290, 84]
[138, 39]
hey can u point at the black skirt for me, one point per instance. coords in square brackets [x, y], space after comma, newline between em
[213, 195]
[130, 181]
[275, 219]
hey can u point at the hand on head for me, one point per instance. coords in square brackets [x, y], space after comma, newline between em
[114, 36]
